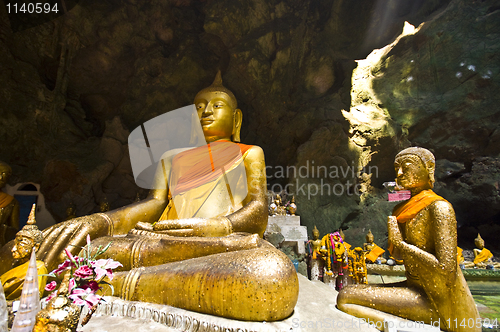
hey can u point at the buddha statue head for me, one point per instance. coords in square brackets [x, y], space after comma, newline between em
[315, 233]
[217, 109]
[369, 237]
[342, 236]
[5, 172]
[27, 239]
[415, 168]
[479, 242]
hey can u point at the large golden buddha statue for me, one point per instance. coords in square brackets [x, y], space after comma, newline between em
[187, 247]
[424, 231]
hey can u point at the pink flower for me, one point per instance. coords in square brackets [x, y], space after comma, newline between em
[70, 256]
[83, 272]
[84, 296]
[52, 295]
[71, 285]
[50, 286]
[63, 266]
[88, 240]
[104, 267]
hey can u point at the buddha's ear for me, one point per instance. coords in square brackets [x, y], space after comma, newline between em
[238, 119]
[430, 168]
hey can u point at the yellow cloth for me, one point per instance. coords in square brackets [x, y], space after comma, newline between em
[374, 253]
[406, 211]
[483, 256]
[5, 199]
[200, 178]
[460, 257]
[13, 280]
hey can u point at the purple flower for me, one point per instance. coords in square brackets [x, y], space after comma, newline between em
[50, 286]
[84, 297]
[92, 285]
[83, 272]
[104, 267]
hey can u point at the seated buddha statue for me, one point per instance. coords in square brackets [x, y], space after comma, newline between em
[373, 253]
[187, 247]
[27, 239]
[9, 208]
[482, 256]
[424, 230]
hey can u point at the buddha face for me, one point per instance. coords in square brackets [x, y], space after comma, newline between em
[411, 172]
[315, 234]
[217, 117]
[369, 238]
[22, 247]
[479, 243]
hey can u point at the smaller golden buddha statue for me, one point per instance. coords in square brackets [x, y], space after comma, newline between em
[483, 258]
[292, 208]
[373, 253]
[9, 208]
[460, 256]
[70, 212]
[280, 209]
[27, 240]
[104, 206]
[357, 266]
[315, 259]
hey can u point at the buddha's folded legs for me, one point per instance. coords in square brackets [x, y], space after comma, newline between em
[386, 301]
[258, 284]
[143, 248]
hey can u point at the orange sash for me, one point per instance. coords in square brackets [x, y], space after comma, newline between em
[460, 256]
[483, 256]
[5, 199]
[374, 253]
[193, 168]
[406, 211]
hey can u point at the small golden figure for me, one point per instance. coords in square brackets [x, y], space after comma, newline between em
[424, 230]
[104, 206]
[483, 258]
[292, 208]
[315, 259]
[373, 253]
[70, 212]
[27, 239]
[357, 266]
[9, 208]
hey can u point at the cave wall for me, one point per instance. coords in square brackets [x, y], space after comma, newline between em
[76, 86]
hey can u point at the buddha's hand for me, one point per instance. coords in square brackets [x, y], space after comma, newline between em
[394, 233]
[72, 235]
[144, 226]
[213, 227]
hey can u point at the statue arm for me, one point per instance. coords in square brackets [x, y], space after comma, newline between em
[252, 218]
[444, 233]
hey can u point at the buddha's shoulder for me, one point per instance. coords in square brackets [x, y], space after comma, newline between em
[441, 206]
[252, 151]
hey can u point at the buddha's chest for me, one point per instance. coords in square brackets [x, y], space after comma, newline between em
[417, 231]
